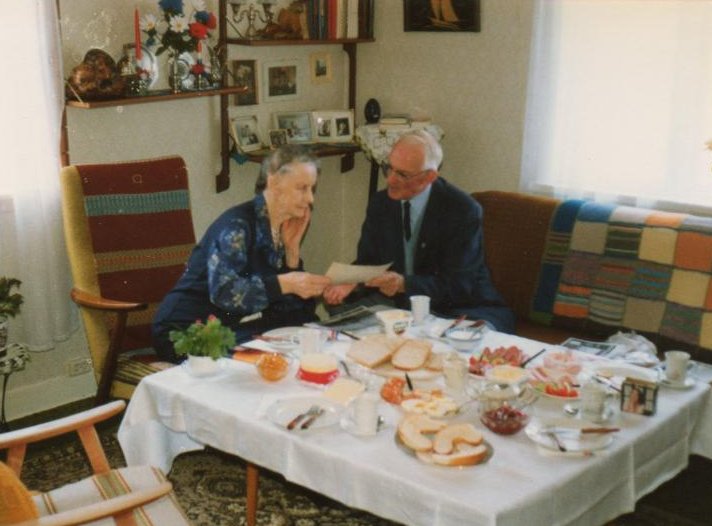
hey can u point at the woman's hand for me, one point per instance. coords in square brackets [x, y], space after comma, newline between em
[292, 231]
[389, 283]
[303, 284]
[335, 294]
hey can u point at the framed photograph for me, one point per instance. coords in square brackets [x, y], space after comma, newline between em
[333, 126]
[298, 125]
[320, 68]
[277, 138]
[441, 15]
[245, 76]
[245, 132]
[281, 80]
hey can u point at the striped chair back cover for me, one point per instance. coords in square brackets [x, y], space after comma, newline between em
[141, 230]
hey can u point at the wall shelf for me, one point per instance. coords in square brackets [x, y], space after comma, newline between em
[294, 42]
[156, 96]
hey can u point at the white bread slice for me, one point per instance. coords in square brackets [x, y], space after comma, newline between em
[455, 434]
[373, 351]
[412, 429]
[465, 456]
[413, 354]
[436, 362]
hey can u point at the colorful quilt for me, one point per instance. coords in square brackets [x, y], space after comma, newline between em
[611, 267]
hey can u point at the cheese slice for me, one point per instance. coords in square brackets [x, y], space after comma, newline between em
[343, 390]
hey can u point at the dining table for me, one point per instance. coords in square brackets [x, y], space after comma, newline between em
[521, 482]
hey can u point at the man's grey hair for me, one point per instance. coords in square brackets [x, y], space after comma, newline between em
[279, 160]
[431, 147]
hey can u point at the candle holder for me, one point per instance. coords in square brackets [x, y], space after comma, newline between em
[252, 14]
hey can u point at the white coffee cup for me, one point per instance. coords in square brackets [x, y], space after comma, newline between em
[311, 340]
[419, 308]
[365, 413]
[593, 401]
[676, 363]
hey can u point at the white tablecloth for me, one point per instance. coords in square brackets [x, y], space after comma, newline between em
[172, 412]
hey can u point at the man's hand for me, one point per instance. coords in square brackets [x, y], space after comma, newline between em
[335, 294]
[303, 284]
[389, 283]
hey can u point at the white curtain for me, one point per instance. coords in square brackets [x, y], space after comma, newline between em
[619, 102]
[31, 240]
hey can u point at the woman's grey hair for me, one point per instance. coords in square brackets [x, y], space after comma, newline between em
[279, 160]
[431, 147]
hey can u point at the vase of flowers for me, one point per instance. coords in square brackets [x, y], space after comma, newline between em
[203, 343]
[10, 303]
[185, 32]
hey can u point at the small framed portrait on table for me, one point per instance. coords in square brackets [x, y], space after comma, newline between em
[245, 132]
[298, 125]
[277, 138]
[333, 126]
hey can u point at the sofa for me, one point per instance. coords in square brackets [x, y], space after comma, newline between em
[575, 268]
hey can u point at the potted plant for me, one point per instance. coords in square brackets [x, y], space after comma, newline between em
[9, 304]
[203, 343]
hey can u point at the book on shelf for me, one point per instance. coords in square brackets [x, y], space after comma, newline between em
[337, 19]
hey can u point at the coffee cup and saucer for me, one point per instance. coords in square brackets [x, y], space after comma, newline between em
[676, 369]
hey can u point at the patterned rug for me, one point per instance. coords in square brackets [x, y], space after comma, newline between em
[210, 486]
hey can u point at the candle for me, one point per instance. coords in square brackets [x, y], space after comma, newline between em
[137, 35]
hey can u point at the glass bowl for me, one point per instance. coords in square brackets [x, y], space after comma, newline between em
[273, 366]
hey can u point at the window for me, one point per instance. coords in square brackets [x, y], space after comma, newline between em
[619, 102]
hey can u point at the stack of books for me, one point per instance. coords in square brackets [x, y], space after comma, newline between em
[400, 121]
[337, 19]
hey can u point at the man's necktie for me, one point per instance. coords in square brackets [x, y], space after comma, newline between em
[406, 220]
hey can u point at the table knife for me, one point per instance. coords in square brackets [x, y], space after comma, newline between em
[309, 421]
[580, 431]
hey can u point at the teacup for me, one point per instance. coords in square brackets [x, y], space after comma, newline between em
[676, 363]
[419, 308]
[594, 402]
[312, 340]
[364, 413]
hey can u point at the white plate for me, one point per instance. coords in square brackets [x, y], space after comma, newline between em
[348, 425]
[290, 334]
[283, 411]
[689, 382]
[622, 370]
[574, 442]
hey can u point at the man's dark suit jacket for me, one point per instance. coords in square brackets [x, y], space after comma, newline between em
[449, 264]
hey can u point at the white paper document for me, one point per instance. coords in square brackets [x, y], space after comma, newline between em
[341, 273]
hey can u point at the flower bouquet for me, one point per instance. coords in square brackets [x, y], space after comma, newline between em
[210, 339]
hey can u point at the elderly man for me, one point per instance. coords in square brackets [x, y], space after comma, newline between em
[431, 232]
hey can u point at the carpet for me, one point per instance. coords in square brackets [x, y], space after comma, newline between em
[210, 485]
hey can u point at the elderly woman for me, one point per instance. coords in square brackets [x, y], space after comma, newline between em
[247, 270]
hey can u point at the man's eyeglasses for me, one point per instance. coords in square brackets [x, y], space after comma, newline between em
[386, 168]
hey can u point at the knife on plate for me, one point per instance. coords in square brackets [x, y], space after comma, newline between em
[580, 431]
[309, 421]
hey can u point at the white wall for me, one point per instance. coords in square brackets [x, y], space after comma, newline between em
[472, 84]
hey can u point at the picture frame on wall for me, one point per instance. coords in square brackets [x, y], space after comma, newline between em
[333, 126]
[281, 80]
[320, 69]
[277, 138]
[245, 132]
[441, 15]
[245, 76]
[298, 125]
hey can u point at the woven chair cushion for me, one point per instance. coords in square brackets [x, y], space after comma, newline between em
[141, 230]
[16, 504]
[115, 483]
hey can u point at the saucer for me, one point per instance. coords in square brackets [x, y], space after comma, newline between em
[573, 410]
[689, 382]
[348, 425]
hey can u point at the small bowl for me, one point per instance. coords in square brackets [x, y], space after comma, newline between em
[464, 338]
[273, 366]
[504, 420]
[506, 374]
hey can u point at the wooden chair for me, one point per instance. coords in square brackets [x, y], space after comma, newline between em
[131, 496]
[129, 232]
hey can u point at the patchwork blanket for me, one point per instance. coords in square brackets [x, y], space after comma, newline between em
[610, 267]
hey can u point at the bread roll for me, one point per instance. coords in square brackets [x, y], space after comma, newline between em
[413, 354]
[455, 434]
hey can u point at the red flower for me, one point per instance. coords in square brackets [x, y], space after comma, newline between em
[198, 30]
[212, 22]
[199, 69]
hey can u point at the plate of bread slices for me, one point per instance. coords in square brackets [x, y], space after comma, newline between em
[395, 356]
[441, 443]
